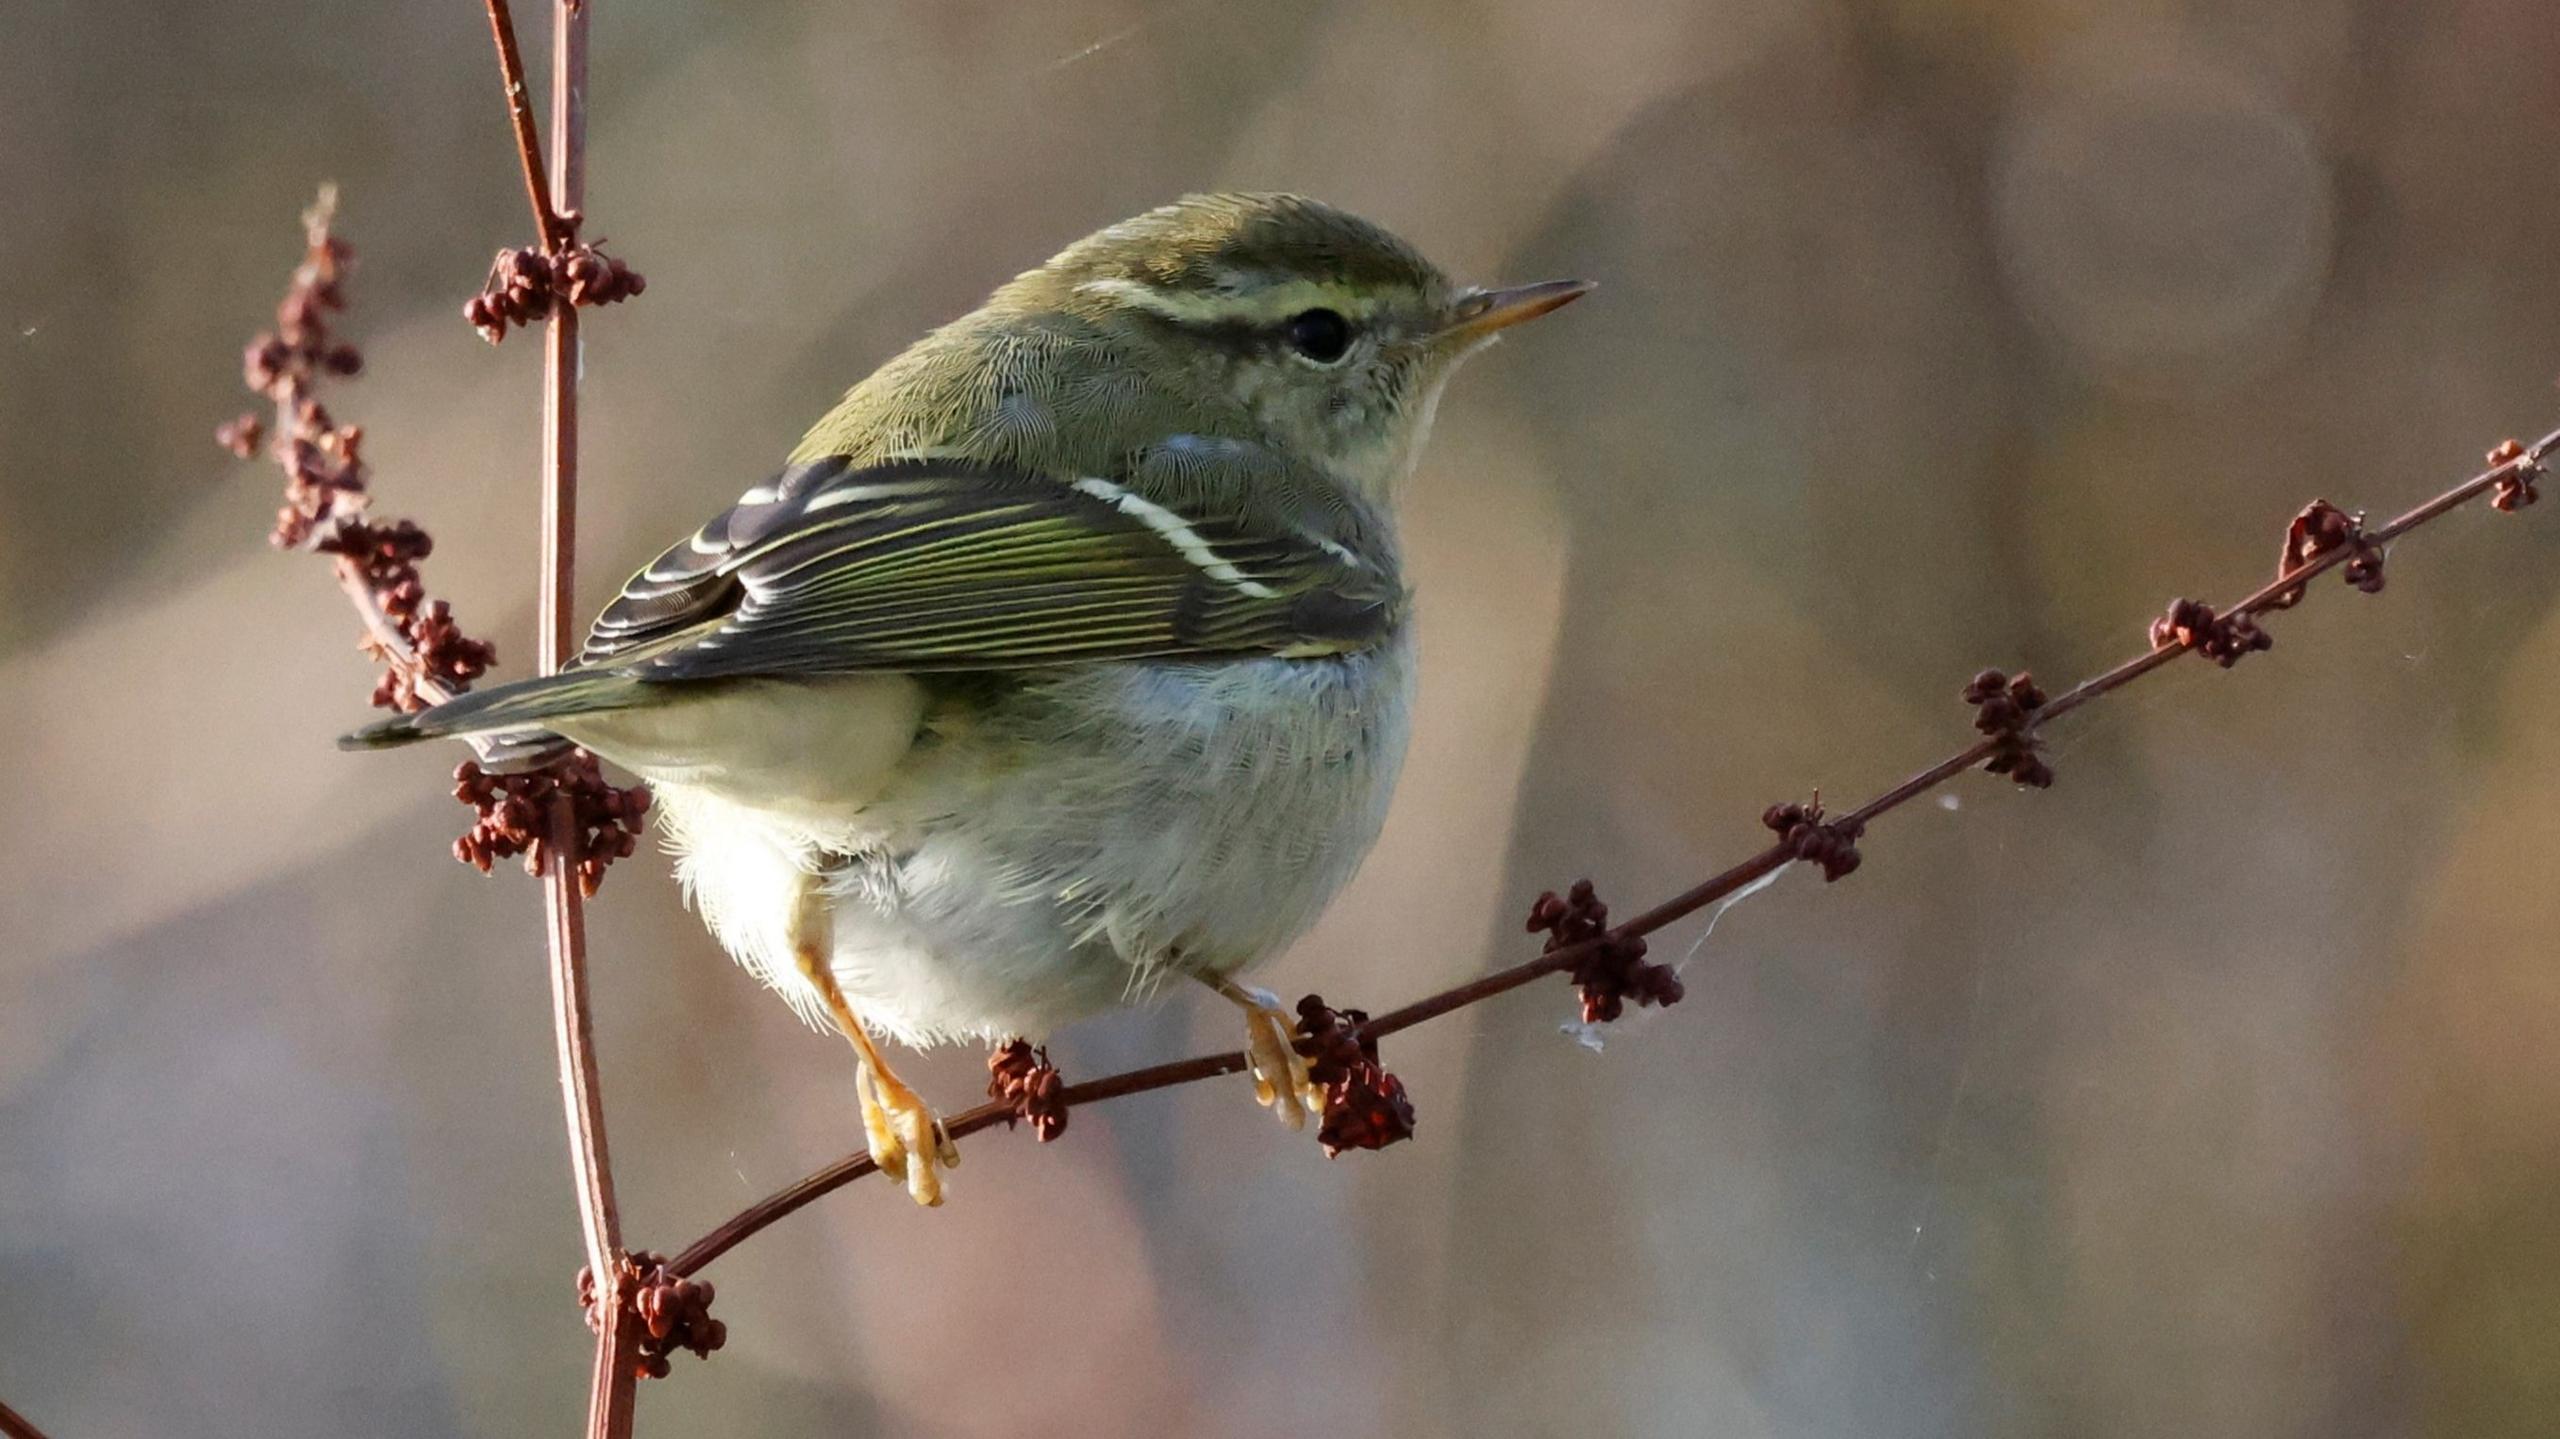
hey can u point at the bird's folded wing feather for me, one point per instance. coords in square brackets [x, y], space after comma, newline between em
[941, 565]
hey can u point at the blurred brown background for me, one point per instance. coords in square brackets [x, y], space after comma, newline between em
[2210, 1093]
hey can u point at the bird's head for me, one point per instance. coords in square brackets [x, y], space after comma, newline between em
[1332, 334]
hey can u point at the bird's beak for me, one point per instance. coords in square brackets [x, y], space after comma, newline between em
[1481, 313]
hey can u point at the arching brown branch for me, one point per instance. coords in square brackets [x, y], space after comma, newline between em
[2510, 480]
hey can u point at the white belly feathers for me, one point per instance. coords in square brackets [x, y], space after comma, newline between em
[1070, 845]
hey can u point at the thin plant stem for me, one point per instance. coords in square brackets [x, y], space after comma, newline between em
[557, 199]
[537, 190]
[2523, 464]
[14, 1425]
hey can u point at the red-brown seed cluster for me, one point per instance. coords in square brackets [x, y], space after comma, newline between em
[326, 481]
[438, 651]
[1365, 1107]
[324, 474]
[385, 558]
[1831, 846]
[1022, 1078]
[386, 555]
[2320, 529]
[326, 495]
[517, 292]
[1612, 969]
[2223, 639]
[589, 276]
[674, 1312]
[521, 285]
[2520, 486]
[514, 810]
[2004, 711]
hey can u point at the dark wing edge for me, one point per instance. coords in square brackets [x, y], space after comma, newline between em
[691, 584]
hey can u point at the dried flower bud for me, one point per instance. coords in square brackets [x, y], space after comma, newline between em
[1609, 968]
[242, 436]
[517, 292]
[589, 276]
[1829, 845]
[2521, 485]
[514, 812]
[485, 318]
[2004, 712]
[2223, 639]
[1022, 1077]
[670, 1311]
[1365, 1107]
[264, 364]
[2320, 529]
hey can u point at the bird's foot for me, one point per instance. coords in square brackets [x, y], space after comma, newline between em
[908, 1140]
[1280, 1081]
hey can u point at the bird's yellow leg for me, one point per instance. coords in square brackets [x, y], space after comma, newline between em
[1280, 1080]
[907, 1139]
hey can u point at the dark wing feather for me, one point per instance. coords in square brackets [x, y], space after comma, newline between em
[693, 581]
[936, 565]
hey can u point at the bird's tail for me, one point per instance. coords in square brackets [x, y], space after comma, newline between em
[509, 723]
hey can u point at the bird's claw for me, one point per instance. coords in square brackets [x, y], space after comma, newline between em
[909, 1142]
[1280, 1081]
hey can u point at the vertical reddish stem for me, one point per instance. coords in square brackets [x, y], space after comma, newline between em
[610, 1399]
[560, 351]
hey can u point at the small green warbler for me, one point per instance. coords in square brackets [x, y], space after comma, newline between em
[1067, 657]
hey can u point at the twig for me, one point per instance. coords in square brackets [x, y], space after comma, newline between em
[327, 493]
[546, 220]
[14, 1425]
[563, 817]
[382, 633]
[611, 1392]
[567, 821]
[524, 284]
[1804, 832]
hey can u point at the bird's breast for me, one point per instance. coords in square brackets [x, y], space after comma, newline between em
[1203, 809]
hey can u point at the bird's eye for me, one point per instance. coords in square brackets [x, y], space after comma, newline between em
[1321, 335]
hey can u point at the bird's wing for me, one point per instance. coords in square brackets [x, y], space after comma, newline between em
[919, 565]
